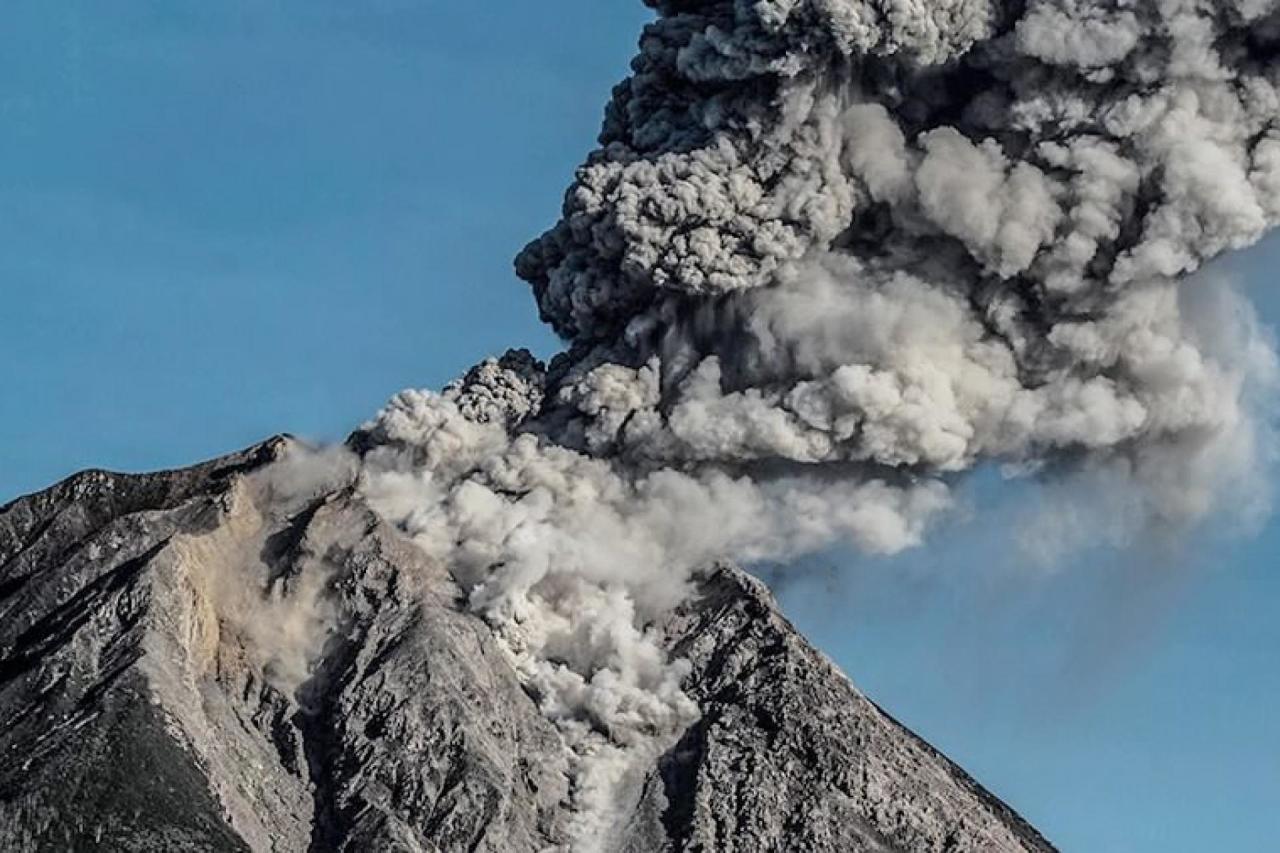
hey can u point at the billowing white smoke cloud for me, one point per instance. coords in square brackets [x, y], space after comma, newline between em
[572, 557]
[829, 255]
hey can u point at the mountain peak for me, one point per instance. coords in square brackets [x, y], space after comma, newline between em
[205, 659]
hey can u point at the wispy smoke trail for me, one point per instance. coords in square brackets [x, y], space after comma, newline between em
[829, 255]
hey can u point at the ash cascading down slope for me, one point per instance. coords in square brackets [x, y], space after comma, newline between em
[828, 256]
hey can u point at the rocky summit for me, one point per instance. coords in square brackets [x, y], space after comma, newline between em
[215, 659]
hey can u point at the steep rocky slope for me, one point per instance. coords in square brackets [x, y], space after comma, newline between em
[215, 659]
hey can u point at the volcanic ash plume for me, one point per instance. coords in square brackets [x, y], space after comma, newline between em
[829, 255]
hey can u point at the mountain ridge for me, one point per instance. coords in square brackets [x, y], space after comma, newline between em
[211, 659]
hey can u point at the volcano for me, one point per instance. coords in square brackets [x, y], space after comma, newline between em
[140, 714]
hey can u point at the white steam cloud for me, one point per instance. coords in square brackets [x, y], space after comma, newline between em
[829, 255]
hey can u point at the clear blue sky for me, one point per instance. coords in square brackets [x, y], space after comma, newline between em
[224, 220]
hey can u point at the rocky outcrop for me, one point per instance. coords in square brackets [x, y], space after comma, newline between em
[789, 755]
[206, 660]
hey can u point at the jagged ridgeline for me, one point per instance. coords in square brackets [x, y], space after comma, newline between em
[829, 256]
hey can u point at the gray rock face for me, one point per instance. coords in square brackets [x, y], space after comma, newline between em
[788, 755]
[200, 660]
